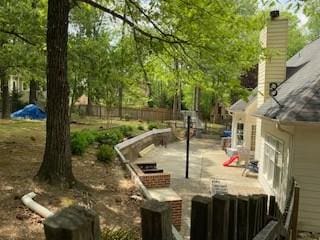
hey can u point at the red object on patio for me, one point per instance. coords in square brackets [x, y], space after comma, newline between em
[231, 160]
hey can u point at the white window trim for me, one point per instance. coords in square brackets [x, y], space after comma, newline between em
[269, 173]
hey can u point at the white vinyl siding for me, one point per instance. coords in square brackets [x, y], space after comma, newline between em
[306, 170]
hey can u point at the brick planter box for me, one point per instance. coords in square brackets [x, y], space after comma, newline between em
[152, 180]
[173, 200]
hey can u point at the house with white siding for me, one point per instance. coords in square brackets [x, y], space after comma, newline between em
[283, 116]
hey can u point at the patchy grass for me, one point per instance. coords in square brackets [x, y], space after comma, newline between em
[107, 187]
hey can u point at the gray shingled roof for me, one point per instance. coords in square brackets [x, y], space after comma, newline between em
[241, 105]
[299, 95]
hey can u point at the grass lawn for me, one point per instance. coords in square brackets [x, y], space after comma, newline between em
[108, 188]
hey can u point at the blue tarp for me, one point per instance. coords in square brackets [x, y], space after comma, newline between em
[30, 111]
[226, 133]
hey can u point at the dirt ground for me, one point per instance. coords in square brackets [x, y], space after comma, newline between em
[108, 187]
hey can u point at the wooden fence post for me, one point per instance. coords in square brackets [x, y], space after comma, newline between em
[265, 208]
[233, 217]
[243, 218]
[73, 223]
[253, 216]
[272, 206]
[201, 209]
[220, 217]
[295, 212]
[156, 221]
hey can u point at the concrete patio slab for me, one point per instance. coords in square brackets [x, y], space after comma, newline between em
[206, 158]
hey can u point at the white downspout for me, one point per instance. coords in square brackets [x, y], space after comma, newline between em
[34, 206]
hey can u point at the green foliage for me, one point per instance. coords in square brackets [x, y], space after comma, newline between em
[152, 126]
[119, 234]
[79, 143]
[109, 137]
[296, 39]
[82, 139]
[105, 153]
[141, 128]
[127, 131]
[312, 10]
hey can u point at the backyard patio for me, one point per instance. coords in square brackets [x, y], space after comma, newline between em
[206, 158]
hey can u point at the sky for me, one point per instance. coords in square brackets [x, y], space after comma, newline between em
[283, 5]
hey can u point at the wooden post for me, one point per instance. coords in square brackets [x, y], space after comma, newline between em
[220, 217]
[73, 223]
[188, 146]
[295, 212]
[233, 217]
[201, 213]
[243, 218]
[253, 216]
[265, 208]
[272, 206]
[156, 221]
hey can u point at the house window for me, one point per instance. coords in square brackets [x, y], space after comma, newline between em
[272, 162]
[253, 138]
[240, 127]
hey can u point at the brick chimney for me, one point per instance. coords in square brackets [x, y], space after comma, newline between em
[274, 38]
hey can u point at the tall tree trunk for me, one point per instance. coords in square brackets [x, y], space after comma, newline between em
[174, 106]
[196, 99]
[56, 167]
[90, 105]
[33, 92]
[120, 100]
[4, 96]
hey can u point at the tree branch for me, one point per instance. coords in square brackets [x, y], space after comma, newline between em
[131, 24]
[141, 10]
[18, 35]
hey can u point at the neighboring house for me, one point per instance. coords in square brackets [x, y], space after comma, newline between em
[243, 123]
[16, 83]
[22, 87]
[288, 127]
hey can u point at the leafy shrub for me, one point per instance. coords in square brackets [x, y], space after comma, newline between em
[127, 131]
[140, 127]
[152, 126]
[89, 135]
[119, 234]
[110, 137]
[79, 143]
[105, 153]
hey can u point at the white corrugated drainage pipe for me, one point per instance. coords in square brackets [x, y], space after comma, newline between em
[34, 206]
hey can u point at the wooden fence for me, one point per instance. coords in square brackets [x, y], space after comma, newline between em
[146, 114]
[221, 217]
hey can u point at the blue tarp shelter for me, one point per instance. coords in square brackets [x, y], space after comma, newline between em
[30, 111]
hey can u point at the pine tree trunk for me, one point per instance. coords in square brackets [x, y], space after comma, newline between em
[33, 92]
[56, 167]
[4, 96]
